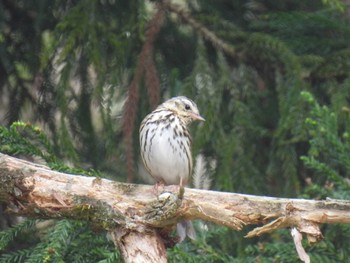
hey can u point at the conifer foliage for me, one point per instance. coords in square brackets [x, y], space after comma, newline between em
[271, 79]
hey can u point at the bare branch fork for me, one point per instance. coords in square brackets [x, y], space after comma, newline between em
[133, 214]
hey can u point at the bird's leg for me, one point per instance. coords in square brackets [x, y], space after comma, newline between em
[177, 188]
[158, 184]
[181, 189]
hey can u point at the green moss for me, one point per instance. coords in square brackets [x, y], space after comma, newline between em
[98, 213]
[8, 183]
[124, 188]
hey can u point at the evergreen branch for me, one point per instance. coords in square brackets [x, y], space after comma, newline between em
[16, 256]
[201, 29]
[8, 235]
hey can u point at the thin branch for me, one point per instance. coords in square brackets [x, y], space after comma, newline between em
[199, 28]
[145, 62]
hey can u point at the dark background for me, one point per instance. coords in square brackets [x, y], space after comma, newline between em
[271, 79]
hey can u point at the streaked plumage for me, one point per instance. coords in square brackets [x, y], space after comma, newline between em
[166, 146]
[166, 143]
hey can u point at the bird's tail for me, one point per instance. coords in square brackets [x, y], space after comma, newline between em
[201, 180]
[185, 228]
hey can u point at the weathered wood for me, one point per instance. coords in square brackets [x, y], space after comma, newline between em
[135, 211]
[140, 247]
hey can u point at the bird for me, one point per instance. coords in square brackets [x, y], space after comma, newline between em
[165, 147]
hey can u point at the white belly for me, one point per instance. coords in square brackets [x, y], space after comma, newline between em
[167, 157]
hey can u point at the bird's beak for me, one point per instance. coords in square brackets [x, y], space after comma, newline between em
[197, 117]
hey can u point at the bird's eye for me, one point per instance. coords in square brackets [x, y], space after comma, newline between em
[187, 107]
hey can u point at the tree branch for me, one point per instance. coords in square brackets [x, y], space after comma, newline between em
[199, 28]
[131, 211]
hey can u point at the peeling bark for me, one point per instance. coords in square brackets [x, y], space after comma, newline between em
[150, 249]
[134, 214]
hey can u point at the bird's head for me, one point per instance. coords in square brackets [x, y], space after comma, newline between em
[184, 108]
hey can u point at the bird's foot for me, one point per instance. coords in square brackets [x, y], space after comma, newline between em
[178, 189]
[156, 187]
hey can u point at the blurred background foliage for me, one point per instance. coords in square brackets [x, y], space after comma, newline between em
[272, 79]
